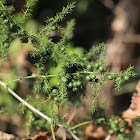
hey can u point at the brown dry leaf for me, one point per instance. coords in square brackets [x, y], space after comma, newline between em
[5, 136]
[135, 104]
[134, 109]
[40, 136]
[95, 132]
[138, 87]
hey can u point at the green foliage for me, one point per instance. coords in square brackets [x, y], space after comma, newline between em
[3, 111]
[28, 10]
[103, 103]
[6, 27]
[121, 137]
[75, 72]
[116, 126]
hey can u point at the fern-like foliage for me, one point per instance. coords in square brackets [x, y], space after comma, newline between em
[77, 69]
[27, 12]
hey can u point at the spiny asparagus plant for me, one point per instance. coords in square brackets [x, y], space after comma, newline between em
[115, 125]
[76, 71]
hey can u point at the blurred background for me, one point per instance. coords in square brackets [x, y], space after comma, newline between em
[115, 22]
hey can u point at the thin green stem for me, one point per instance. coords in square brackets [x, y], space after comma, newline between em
[52, 131]
[80, 124]
[47, 76]
[23, 15]
[1, 4]
[29, 77]
[86, 72]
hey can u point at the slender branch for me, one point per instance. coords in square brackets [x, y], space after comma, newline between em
[37, 111]
[43, 76]
[1, 4]
[108, 3]
[25, 103]
[52, 131]
[131, 38]
[108, 137]
[69, 131]
[25, 13]
[81, 124]
[71, 117]
[29, 77]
